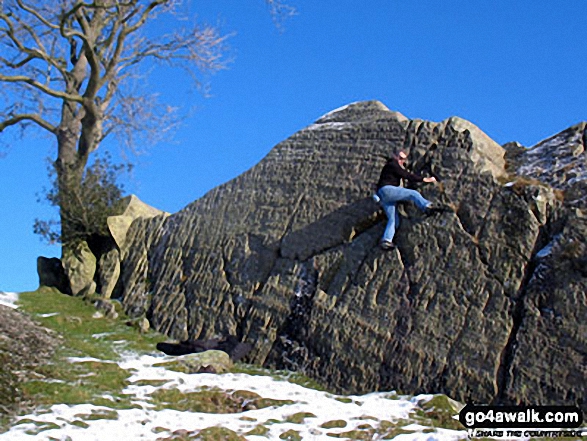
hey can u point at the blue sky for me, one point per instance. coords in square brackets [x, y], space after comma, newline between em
[517, 69]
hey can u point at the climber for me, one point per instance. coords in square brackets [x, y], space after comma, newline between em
[390, 191]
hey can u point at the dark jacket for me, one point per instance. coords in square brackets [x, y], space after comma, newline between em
[393, 173]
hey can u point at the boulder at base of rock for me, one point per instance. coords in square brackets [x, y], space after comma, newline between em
[235, 349]
[204, 362]
[108, 272]
[107, 308]
[79, 264]
[52, 274]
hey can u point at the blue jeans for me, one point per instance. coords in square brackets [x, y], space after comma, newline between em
[389, 196]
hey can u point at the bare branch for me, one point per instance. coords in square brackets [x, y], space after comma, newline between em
[69, 15]
[41, 87]
[145, 14]
[140, 119]
[17, 119]
[36, 14]
[117, 22]
[125, 32]
[17, 65]
[201, 47]
[31, 53]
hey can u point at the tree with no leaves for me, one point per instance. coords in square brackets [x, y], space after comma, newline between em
[69, 67]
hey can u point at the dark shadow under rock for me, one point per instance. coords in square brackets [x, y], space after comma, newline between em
[230, 344]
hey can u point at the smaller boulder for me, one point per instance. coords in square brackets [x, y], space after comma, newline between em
[79, 264]
[141, 324]
[107, 308]
[52, 274]
[108, 272]
[230, 344]
[203, 362]
[210, 361]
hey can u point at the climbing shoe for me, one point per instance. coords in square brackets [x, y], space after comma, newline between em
[438, 208]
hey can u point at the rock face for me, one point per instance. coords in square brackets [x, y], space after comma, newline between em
[487, 303]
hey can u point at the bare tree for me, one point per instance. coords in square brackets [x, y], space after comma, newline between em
[67, 67]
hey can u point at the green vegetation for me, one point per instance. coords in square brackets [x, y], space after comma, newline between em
[102, 414]
[81, 370]
[259, 430]
[99, 193]
[212, 401]
[84, 370]
[358, 434]
[390, 430]
[439, 412]
[333, 424]
[39, 426]
[85, 336]
[299, 418]
[291, 435]
[209, 434]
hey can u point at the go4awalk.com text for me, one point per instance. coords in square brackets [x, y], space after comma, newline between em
[523, 421]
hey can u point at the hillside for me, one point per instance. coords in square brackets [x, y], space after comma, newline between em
[105, 379]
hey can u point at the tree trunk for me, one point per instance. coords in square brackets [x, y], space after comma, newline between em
[69, 178]
[73, 152]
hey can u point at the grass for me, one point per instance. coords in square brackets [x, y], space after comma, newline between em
[299, 418]
[83, 370]
[94, 378]
[209, 434]
[85, 335]
[212, 401]
[439, 412]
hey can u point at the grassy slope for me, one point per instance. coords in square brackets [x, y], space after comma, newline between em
[84, 336]
[100, 380]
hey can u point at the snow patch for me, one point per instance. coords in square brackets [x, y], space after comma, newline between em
[145, 422]
[9, 299]
[86, 359]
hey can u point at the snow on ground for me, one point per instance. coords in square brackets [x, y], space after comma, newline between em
[8, 299]
[147, 423]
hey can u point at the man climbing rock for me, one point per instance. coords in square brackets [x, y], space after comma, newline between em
[390, 192]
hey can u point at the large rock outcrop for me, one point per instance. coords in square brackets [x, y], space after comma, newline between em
[485, 303]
